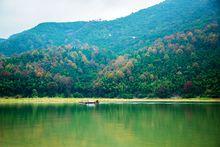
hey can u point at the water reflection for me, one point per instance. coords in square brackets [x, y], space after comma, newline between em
[110, 125]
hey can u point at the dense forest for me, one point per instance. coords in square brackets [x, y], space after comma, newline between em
[184, 64]
[168, 50]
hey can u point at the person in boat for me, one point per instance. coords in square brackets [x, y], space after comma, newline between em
[97, 102]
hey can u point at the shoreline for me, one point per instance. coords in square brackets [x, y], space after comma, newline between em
[101, 100]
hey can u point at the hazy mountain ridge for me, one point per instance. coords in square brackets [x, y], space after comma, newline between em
[1, 40]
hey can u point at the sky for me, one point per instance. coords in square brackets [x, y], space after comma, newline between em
[19, 15]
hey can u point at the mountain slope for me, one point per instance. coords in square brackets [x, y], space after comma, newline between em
[182, 64]
[121, 34]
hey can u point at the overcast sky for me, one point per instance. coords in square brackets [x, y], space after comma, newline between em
[19, 15]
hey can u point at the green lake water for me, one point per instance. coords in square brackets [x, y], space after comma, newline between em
[111, 125]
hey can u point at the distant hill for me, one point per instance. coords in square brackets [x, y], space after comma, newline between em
[1, 40]
[120, 35]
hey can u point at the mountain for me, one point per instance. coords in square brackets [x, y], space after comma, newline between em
[118, 35]
[168, 50]
[182, 64]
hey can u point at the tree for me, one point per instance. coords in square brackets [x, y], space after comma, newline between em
[52, 88]
[162, 92]
[34, 93]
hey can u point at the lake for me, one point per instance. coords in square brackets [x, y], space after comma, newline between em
[111, 125]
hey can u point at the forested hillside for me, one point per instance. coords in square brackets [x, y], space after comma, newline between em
[168, 50]
[121, 35]
[54, 71]
[182, 64]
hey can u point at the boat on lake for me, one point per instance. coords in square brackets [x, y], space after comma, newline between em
[90, 103]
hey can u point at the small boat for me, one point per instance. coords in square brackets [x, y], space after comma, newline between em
[90, 103]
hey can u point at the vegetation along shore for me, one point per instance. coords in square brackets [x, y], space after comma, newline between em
[47, 100]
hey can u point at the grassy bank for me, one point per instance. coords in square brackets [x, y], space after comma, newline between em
[102, 100]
